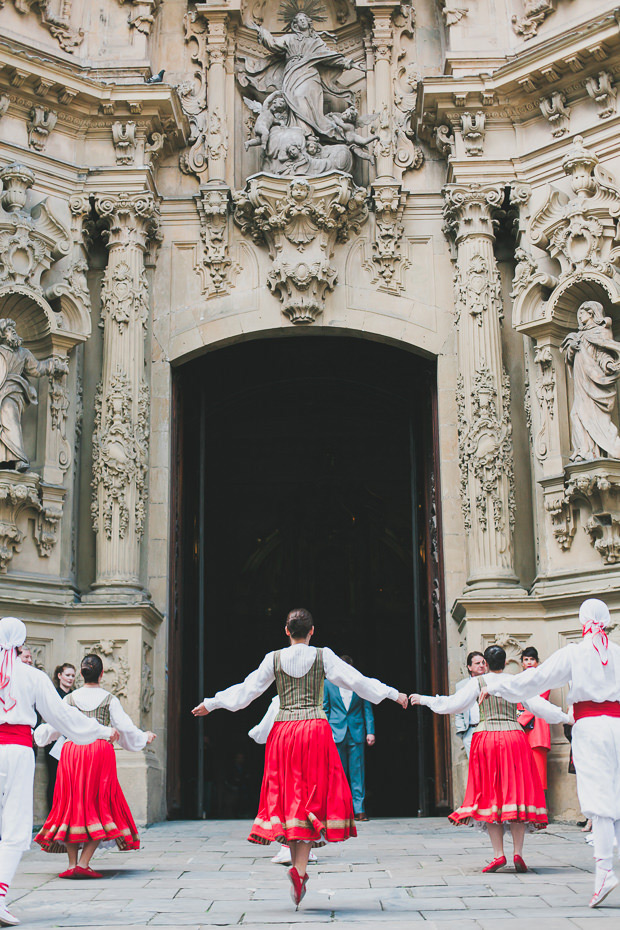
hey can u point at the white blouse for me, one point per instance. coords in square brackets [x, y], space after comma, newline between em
[296, 661]
[467, 695]
[130, 737]
[578, 664]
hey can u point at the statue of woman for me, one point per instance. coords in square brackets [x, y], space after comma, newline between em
[595, 360]
[303, 75]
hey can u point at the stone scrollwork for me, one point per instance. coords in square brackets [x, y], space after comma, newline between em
[123, 298]
[142, 15]
[535, 12]
[473, 131]
[56, 19]
[598, 487]
[24, 494]
[193, 97]
[124, 142]
[387, 260]
[300, 220]
[485, 453]
[120, 456]
[602, 90]
[545, 394]
[556, 113]
[41, 123]
[213, 204]
[147, 689]
[116, 672]
[478, 288]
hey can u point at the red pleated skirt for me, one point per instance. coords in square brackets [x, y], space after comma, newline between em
[503, 785]
[305, 794]
[89, 803]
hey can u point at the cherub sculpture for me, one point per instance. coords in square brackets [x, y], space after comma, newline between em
[271, 111]
[347, 123]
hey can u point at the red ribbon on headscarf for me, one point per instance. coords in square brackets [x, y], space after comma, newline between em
[6, 673]
[597, 629]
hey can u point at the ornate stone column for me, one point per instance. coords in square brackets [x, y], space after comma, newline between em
[120, 438]
[383, 42]
[217, 133]
[483, 390]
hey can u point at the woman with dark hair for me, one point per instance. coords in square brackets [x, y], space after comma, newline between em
[305, 798]
[503, 786]
[89, 804]
[537, 730]
[63, 680]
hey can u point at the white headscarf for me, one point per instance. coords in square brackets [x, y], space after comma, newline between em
[594, 616]
[12, 635]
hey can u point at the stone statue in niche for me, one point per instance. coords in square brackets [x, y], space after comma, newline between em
[594, 357]
[16, 364]
[295, 129]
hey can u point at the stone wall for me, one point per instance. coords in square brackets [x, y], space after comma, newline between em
[465, 209]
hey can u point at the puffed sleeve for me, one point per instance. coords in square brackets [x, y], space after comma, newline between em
[346, 676]
[239, 696]
[130, 737]
[552, 673]
[64, 718]
[464, 697]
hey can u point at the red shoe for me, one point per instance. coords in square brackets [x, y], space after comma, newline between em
[520, 865]
[304, 882]
[87, 872]
[69, 873]
[297, 886]
[495, 865]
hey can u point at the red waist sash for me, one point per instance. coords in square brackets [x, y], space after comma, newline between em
[594, 709]
[15, 734]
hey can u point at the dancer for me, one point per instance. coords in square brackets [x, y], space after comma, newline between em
[89, 804]
[305, 798]
[537, 730]
[23, 690]
[592, 670]
[260, 734]
[503, 787]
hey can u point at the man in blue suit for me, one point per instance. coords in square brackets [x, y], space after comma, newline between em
[353, 725]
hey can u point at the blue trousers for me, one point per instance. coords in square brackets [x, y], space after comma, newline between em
[352, 758]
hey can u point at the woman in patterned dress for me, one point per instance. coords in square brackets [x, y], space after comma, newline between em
[503, 785]
[305, 798]
[89, 804]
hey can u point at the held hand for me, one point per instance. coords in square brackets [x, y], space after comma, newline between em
[200, 711]
[402, 700]
[484, 694]
[370, 739]
[113, 738]
[150, 737]
[415, 699]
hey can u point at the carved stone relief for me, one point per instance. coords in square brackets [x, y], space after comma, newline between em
[535, 12]
[603, 91]
[556, 112]
[472, 129]
[300, 221]
[193, 97]
[218, 268]
[545, 394]
[56, 19]
[147, 689]
[478, 289]
[452, 14]
[387, 260]
[113, 654]
[124, 142]
[40, 125]
[23, 493]
[142, 14]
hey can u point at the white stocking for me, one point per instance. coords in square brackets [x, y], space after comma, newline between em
[603, 834]
[9, 860]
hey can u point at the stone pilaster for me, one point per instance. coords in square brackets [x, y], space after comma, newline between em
[383, 43]
[483, 390]
[217, 132]
[120, 438]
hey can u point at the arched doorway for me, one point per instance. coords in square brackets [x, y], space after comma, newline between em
[305, 476]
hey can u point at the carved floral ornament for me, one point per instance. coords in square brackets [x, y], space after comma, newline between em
[300, 221]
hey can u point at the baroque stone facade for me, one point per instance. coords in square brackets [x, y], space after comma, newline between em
[182, 175]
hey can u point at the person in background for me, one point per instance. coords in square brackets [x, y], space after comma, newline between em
[537, 730]
[63, 680]
[89, 804]
[467, 721]
[353, 725]
[25, 655]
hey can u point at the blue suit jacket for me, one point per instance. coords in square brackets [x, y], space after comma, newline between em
[359, 719]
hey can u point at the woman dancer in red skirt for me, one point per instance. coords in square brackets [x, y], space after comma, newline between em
[89, 804]
[503, 785]
[305, 798]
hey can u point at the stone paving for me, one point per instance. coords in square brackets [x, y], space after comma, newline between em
[398, 873]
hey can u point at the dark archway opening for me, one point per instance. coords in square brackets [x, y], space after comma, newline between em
[304, 476]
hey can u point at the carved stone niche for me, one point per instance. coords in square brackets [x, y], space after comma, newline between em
[597, 485]
[300, 220]
[22, 496]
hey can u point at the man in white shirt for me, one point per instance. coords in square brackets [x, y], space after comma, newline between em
[467, 721]
[24, 690]
[353, 725]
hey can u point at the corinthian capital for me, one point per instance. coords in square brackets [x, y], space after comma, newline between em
[471, 209]
[132, 219]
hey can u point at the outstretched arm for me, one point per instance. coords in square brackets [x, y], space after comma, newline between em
[546, 710]
[552, 673]
[345, 676]
[464, 697]
[239, 696]
[64, 718]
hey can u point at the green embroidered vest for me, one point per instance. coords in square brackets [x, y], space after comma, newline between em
[100, 713]
[300, 698]
[497, 714]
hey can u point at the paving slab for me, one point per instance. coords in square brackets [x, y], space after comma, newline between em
[398, 873]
